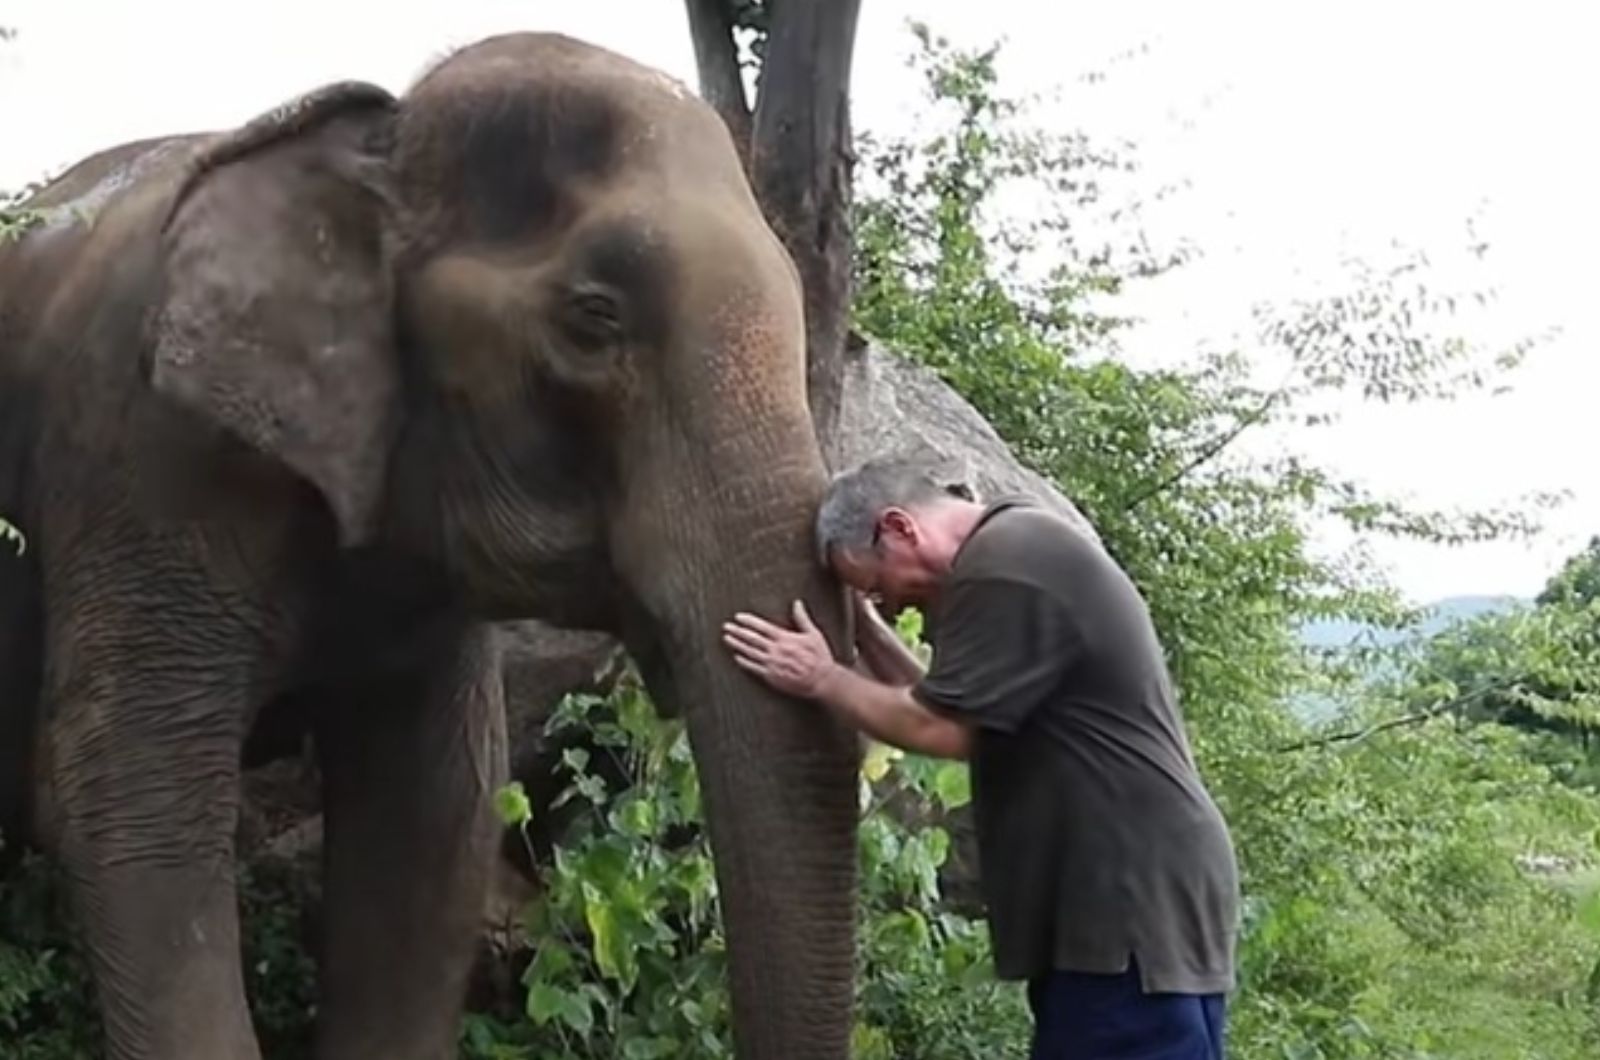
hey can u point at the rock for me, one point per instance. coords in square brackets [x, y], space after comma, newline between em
[541, 664]
[893, 405]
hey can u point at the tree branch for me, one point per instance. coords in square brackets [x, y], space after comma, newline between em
[800, 164]
[716, 56]
[1434, 711]
[1210, 451]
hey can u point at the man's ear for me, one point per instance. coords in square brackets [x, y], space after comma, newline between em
[899, 521]
[276, 317]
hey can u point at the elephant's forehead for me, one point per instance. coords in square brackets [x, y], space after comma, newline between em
[577, 106]
[521, 157]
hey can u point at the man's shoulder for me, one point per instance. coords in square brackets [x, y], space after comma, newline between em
[1019, 538]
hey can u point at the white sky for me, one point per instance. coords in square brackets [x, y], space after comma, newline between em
[1304, 129]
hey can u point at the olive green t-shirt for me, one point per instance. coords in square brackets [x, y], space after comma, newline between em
[1097, 840]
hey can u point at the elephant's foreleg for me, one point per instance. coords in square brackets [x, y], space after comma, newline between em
[143, 746]
[410, 762]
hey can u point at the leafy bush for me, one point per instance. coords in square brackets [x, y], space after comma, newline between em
[1386, 912]
[623, 953]
[46, 1010]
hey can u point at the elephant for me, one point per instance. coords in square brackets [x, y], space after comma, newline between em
[293, 415]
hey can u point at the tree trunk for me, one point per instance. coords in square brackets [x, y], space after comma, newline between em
[796, 145]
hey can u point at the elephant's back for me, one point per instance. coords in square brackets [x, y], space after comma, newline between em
[96, 180]
[78, 221]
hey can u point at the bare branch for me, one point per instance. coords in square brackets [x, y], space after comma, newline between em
[1357, 735]
[716, 56]
[1214, 448]
[1207, 453]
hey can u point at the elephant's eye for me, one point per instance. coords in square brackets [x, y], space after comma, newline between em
[595, 315]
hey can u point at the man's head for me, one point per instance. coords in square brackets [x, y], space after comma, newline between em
[891, 527]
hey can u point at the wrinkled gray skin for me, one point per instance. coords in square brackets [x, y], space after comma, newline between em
[290, 412]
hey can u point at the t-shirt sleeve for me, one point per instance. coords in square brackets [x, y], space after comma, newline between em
[1000, 648]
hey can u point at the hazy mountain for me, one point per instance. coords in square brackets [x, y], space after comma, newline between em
[1337, 634]
[1441, 613]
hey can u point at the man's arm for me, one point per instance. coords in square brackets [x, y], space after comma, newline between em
[882, 650]
[891, 715]
[799, 663]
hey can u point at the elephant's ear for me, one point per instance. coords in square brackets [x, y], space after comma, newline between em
[276, 315]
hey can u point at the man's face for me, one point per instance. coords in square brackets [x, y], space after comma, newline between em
[896, 572]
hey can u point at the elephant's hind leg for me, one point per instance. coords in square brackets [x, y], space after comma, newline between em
[410, 760]
[145, 700]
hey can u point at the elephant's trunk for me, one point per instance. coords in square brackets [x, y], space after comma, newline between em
[720, 476]
[779, 776]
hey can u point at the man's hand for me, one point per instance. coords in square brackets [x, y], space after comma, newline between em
[797, 662]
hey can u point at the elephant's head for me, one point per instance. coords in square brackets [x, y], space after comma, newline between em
[528, 326]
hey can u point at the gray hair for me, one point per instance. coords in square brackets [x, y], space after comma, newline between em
[848, 515]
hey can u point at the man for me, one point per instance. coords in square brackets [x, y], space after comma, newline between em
[1107, 871]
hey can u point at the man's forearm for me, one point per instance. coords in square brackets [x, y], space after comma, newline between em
[888, 657]
[890, 715]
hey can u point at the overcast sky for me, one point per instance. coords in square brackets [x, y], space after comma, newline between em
[1305, 131]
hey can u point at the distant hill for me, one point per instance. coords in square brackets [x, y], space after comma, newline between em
[1337, 634]
[1441, 613]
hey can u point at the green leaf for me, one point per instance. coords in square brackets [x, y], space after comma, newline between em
[869, 1042]
[638, 817]
[607, 864]
[615, 935]
[551, 962]
[10, 533]
[545, 1002]
[548, 1003]
[876, 762]
[650, 1048]
[952, 784]
[908, 624]
[511, 803]
[576, 1013]
[936, 845]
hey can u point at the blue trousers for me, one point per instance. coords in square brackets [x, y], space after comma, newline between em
[1079, 1016]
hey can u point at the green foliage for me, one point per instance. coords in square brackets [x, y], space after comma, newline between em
[622, 952]
[1578, 581]
[16, 219]
[1386, 912]
[928, 990]
[14, 222]
[10, 534]
[1536, 668]
[46, 1012]
[279, 974]
[1152, 457]
[623, 947]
